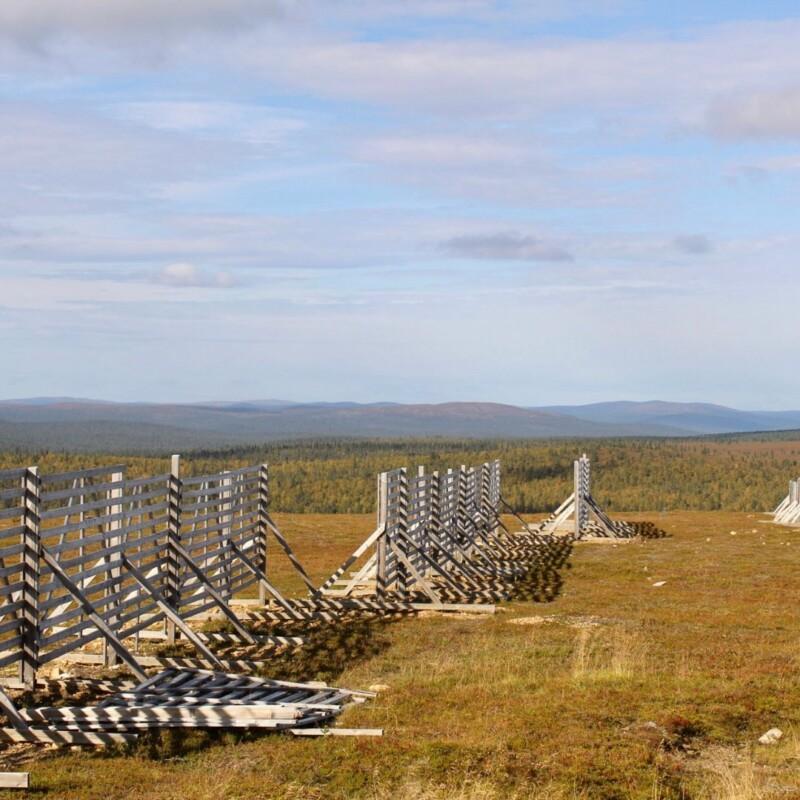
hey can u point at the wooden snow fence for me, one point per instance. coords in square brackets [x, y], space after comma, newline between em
[580, 515]
[98, 556]
[93, 563]
[92, 557]
[788, 512]
[439, 544]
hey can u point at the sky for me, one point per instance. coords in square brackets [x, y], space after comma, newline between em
[412, 200]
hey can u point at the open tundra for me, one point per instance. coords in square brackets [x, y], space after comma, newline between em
[648, 668]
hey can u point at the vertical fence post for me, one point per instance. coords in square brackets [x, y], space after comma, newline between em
[578, 498]
[113, 539]
[484, 499]
[495, 494]
[434, 512]
[448, 533]
[421, 499]
[263, 512]
[399, 525]
[586, 475]
[461, 508]
[30, 560]
[172, 580]
[226, 533]
[380, 549]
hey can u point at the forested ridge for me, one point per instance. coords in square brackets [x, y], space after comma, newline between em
[734, 473]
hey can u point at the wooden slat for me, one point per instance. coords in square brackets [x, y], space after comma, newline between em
[14, 780]
[57, 477]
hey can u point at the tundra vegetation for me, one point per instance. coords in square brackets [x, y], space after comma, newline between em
[641, 669]
[733, 473]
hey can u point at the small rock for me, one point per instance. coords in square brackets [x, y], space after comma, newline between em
[733, 533]
[659, 583]
[378, 687]
[708, 538]
[771, 736]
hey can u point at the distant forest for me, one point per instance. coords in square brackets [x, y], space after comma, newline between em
[734, 473]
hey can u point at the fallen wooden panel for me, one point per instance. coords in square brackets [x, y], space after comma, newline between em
[336, 731]
[14, 780]
[193, 716]
[184, 698]
[53, 736]
[180, 662]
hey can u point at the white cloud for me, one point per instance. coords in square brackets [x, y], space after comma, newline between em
[72, 157]
[248, 123]
[188, 275]
[761, 114]
[523, 77]
[440, 150]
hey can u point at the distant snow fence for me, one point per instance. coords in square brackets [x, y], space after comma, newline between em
[94, 564]
[788, 512]
[581, 515]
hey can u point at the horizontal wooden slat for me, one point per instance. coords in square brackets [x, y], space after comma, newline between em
[51, 495]
[48, 479]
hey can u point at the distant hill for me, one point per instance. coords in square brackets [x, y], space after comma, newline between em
[90, 425]
[697, 418]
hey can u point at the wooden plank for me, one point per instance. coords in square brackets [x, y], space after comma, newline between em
[52, 736]
[262, 578]
[171, 615]
[90, 612]
[212, 592]
[31, 542]
[14, 780]
[57, 477]
[293, 560]
[15, 718]
[194, 715]
[336, 731]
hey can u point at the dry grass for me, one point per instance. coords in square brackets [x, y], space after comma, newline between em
[628, 692]
[609, 654]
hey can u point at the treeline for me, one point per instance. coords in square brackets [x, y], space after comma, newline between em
[327, 476]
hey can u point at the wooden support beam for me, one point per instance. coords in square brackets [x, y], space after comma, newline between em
[262, 578]
[212, 592]
[90, 612]
[419, 579]
[171, 615]
[295, 562]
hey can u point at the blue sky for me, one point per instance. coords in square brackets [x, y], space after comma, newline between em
[419, 201]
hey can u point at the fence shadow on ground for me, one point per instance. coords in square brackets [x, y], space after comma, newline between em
[329, 648]
[648, 530]
[543, 582]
